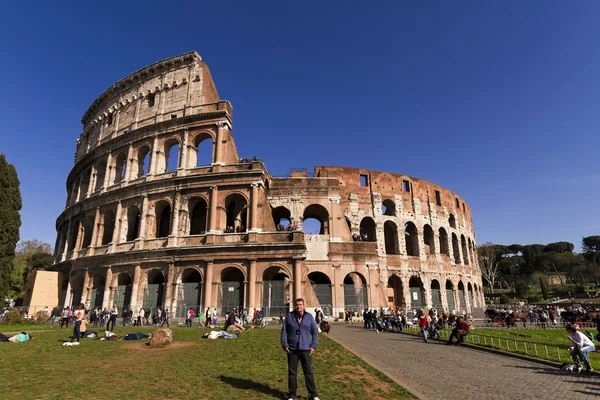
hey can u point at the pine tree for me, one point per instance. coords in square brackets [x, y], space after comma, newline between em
[10, 221]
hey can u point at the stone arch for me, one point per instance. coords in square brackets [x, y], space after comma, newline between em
[189, 291]
[429, 239]
[134, 220]
[143, 161]
[452, 221]
[388, 207]
[236, 213]
[417, 292]
[203, 149]
[84, 186]
[461, 296]
[88, 230]
[162, 213]
[76, 228]
[412, 239]
[450, 295]
[108, 220]
[465, 250]
[170, 161]
[100, 174]
[276, 291]
[455, 249]
[436, 295]
[355, 291]
[120, 168]
[322, 288]
[395, 293]
[97, 293]
[319, 213]
[122, 297]
[198, 215]
[443, 235]
[232, 289]
[390, 233]
[281, 217]
[368, 229]
[154, 290]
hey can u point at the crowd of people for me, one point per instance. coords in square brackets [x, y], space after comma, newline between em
[288, 228]
[360, 237]
[237, 229]
[544, 315]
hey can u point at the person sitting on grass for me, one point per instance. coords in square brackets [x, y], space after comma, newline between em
[460, 331]
[325, 327]
[233, 325]
[582, 345]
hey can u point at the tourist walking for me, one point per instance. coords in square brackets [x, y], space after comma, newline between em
[190, 318]
[299, 339]
[64, 319]
[114, 313]
[165, 318]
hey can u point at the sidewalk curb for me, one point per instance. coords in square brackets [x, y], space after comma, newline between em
[548, 363]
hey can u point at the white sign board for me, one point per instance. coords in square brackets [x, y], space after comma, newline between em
[415, 296]
[230, 289]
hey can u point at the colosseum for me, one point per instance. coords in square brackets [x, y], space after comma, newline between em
[162, 211]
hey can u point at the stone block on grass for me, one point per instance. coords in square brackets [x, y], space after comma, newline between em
[161, 337]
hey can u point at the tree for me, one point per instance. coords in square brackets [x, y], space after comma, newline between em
[559, 247]
[10, 221]
[511, 265]
[24, 264]
[488, 262]
[591, 249]
[38, 260]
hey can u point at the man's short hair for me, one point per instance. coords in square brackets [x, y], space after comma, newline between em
[299, 299]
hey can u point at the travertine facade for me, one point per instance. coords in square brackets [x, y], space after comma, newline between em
[158, 187]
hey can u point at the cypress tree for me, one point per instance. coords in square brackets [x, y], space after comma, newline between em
[10, 221]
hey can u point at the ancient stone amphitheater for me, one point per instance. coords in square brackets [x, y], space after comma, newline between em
[162, 211]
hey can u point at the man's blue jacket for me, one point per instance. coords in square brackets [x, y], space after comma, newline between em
[308, 336]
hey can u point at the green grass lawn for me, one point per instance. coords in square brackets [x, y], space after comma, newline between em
[250, 367]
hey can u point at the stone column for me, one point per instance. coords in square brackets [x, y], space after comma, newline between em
[67, 240]
[107, 289]
[251, 284]
[100, 231]
[208, 278]
[118, 224]
[93, 177]
[68, 294]
[298, 263]
[84, 290]
[130, 163]
[222, 129]
[214, 198]
[169, 289]
[254, 212]
[175, 221]
[108, 174]
[144, 216]
[444, 296]
[184, 151]
[155, 152]
[135, 287]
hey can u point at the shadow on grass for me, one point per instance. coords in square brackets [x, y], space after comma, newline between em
[240, 383]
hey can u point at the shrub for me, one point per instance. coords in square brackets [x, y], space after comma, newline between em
[504, 299]
[41, 317]
[12, 317]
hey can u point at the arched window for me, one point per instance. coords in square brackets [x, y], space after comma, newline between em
[390, 232]
[443, 241]
[85, 184]
[109, 227]
[428, 238]
[388, 207]
[88, 230]
[455, 249]
[163, 219]
[198, 216]
[450, 296]
[120, 168]
[134, 217]
[237, 213]
[452, 221]
[143, 161]
[171, 155]
[367, 229]
[281, 218]
[100, 174]
[203, 149]
[395, 293]
[315, 219]
[412, 239]
[355, 291]
[417, 292]
[465, 250]
[436, 295]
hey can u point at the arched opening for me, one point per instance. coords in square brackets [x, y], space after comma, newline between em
[75, 228]
[443, 241]
[367, 230]
[281, 218]
[203, 149]
[120, 168]
[461, 296]
[171, 155]
[315, 220]
[276, 292]
[395, 293]
[154, 290]
[355, 292]
[455, 249]
[134, 219]
[390, 233]
[189, 292]
[471, 297]
[465, 251]
[109, 227]
[163, 219]
[436, 295]
[198, 216]
[428, 238]
[417, 292]
[237, 213]
[388, 207]
[450, 296]
[85, 184]
[452, 221]
[412, 239]
[232, 293]
[321, 285]
[123, 291]
[100, 174]
[97, 294]
[77, 287]
[88, 231]
[143, 161]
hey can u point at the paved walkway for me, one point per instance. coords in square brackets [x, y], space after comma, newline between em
[435, 371]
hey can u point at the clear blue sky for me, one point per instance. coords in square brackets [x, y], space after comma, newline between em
[498, 101]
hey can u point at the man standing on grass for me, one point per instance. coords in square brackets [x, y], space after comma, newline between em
[114, 313]
[299, 339]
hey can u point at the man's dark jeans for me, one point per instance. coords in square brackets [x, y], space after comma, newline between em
[309, 378]
[456, 334]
